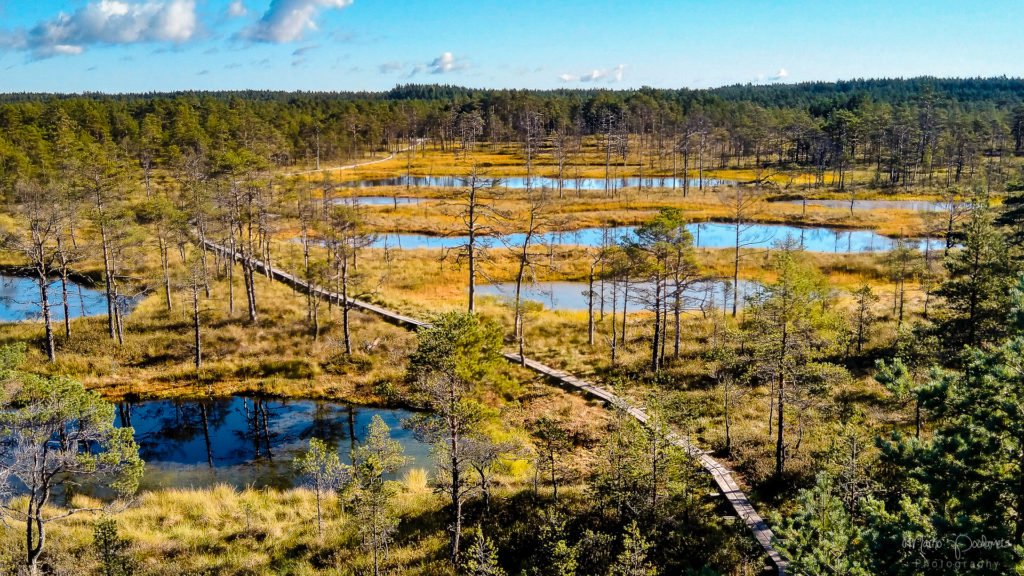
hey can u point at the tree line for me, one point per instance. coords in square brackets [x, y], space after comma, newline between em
[929, 132]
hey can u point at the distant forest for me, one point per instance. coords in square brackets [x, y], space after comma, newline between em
[909, 131]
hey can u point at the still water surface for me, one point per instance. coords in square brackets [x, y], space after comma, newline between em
[537, 182]
[573, 296]
[249, 441]
[706, 235]
[19, 300]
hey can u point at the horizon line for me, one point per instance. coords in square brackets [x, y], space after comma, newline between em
[804, 83]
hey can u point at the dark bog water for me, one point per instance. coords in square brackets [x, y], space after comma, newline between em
[706, 235]
[246, 441]
[572, 296]
[520, 182]
[19, 300]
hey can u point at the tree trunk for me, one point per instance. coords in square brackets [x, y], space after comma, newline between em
[65, 303]
[107, 268]
[728, 422]
[345, 306]
[195, 326]
[64, 287]
[319, 518]
[590, 307]
[677, 310]
[44, 301]
[554, 476]
[167, 272]
[736, 272]
[456, 484]
[35, 543]
[657, 325]
[780, 447]
[231, 276]
[625, 304]
[615, 315]
[472, 247]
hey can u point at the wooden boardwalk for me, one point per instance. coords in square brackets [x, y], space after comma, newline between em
[721, 475]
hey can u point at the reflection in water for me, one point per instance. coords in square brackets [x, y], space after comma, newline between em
[706, 235]
[19, 300]
[573, 296]
[519, 182]
[247, 441]
[913, 205]
[377, 200]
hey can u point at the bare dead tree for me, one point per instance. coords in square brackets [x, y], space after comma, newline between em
[346, 235]
[536, 221]
[194, 281]
[37, 245]
[742, 204]
[479, 217]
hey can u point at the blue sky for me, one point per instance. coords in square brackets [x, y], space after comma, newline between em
[148, 45]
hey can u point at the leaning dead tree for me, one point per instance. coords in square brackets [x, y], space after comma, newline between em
[536, 220]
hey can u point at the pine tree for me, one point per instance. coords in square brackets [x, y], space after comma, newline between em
[821, 538]
[962, 486]
[792, 330]
[322, 471]
[113, 551]
[554, 555]
[633, 559]
[372, 460]
[458, 353]
[977, 293]
[482, 557]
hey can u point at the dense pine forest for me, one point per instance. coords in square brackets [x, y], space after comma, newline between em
[442, 330]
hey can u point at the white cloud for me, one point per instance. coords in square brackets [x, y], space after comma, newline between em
[445, 63]
[109, 22]
[65, 50]
[779, 76]
[289, 20]
[597, 75]
[237, 9]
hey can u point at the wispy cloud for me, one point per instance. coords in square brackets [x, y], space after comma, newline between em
[443, 64]
[107, 22]
[237, 9]
[779, 76]
[289, 20]
[596, 75]
[304, 50]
